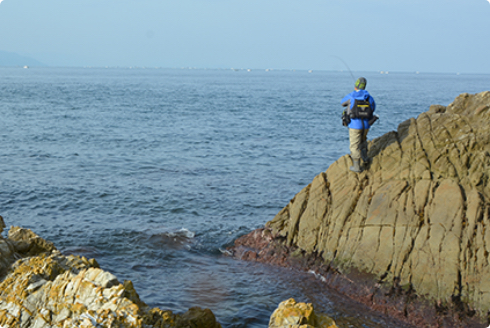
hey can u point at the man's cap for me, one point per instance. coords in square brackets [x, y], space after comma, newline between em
[361, 83]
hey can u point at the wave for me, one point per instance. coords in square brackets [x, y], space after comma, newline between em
[176, 239]
[317, 276]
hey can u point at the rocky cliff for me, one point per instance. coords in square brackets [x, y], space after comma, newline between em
[42, 288]
[416, 222]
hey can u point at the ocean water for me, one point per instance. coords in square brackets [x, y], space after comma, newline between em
[153, 172]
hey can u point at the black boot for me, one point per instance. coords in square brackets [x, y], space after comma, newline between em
[365, 157]
[356, 167]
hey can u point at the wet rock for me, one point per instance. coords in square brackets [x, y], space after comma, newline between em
[2, 224]
[416, 221]
[291, 314]
[197, 317]
[27, 243]
[44, 289]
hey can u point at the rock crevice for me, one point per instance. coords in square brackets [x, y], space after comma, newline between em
[417, 219]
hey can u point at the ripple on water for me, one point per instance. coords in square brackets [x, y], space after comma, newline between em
[113, 163]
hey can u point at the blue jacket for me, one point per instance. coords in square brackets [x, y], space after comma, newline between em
[348, 101]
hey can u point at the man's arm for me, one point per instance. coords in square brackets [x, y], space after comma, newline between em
[345, 102]
[373, 103]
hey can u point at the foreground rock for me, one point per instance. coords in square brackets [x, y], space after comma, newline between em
[410, 236]
[291, 314]
[41, 288]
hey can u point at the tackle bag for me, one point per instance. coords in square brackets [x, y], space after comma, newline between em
[362, 109]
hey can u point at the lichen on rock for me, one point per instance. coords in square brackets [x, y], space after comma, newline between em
[44, 288]
[291, 314]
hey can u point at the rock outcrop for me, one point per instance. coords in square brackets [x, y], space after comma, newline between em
[291, 314]
[415, 223]
[41, 288]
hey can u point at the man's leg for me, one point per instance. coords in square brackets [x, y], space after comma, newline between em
[355, 138]
[364, 147]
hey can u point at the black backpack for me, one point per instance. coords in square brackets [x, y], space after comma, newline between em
[362, 109]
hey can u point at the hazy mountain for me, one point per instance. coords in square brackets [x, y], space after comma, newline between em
[13, 59]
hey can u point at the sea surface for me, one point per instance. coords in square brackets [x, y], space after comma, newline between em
[154, 172]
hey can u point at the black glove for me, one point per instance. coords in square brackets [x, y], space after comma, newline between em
[373, 119]
[345, 119]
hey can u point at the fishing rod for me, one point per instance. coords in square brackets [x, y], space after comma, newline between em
[344, 116]
[353, 78]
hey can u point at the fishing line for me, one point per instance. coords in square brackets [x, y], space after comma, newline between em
[353, 78]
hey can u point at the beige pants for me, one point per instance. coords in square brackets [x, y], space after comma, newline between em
[358, 141]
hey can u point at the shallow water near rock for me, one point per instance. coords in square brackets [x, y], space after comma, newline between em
[154, 172]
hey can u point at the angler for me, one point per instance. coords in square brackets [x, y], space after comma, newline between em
[358, 116]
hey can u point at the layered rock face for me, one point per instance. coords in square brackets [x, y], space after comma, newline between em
[418, 218]
[41, 288]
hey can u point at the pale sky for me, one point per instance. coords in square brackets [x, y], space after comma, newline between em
[369, 35]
